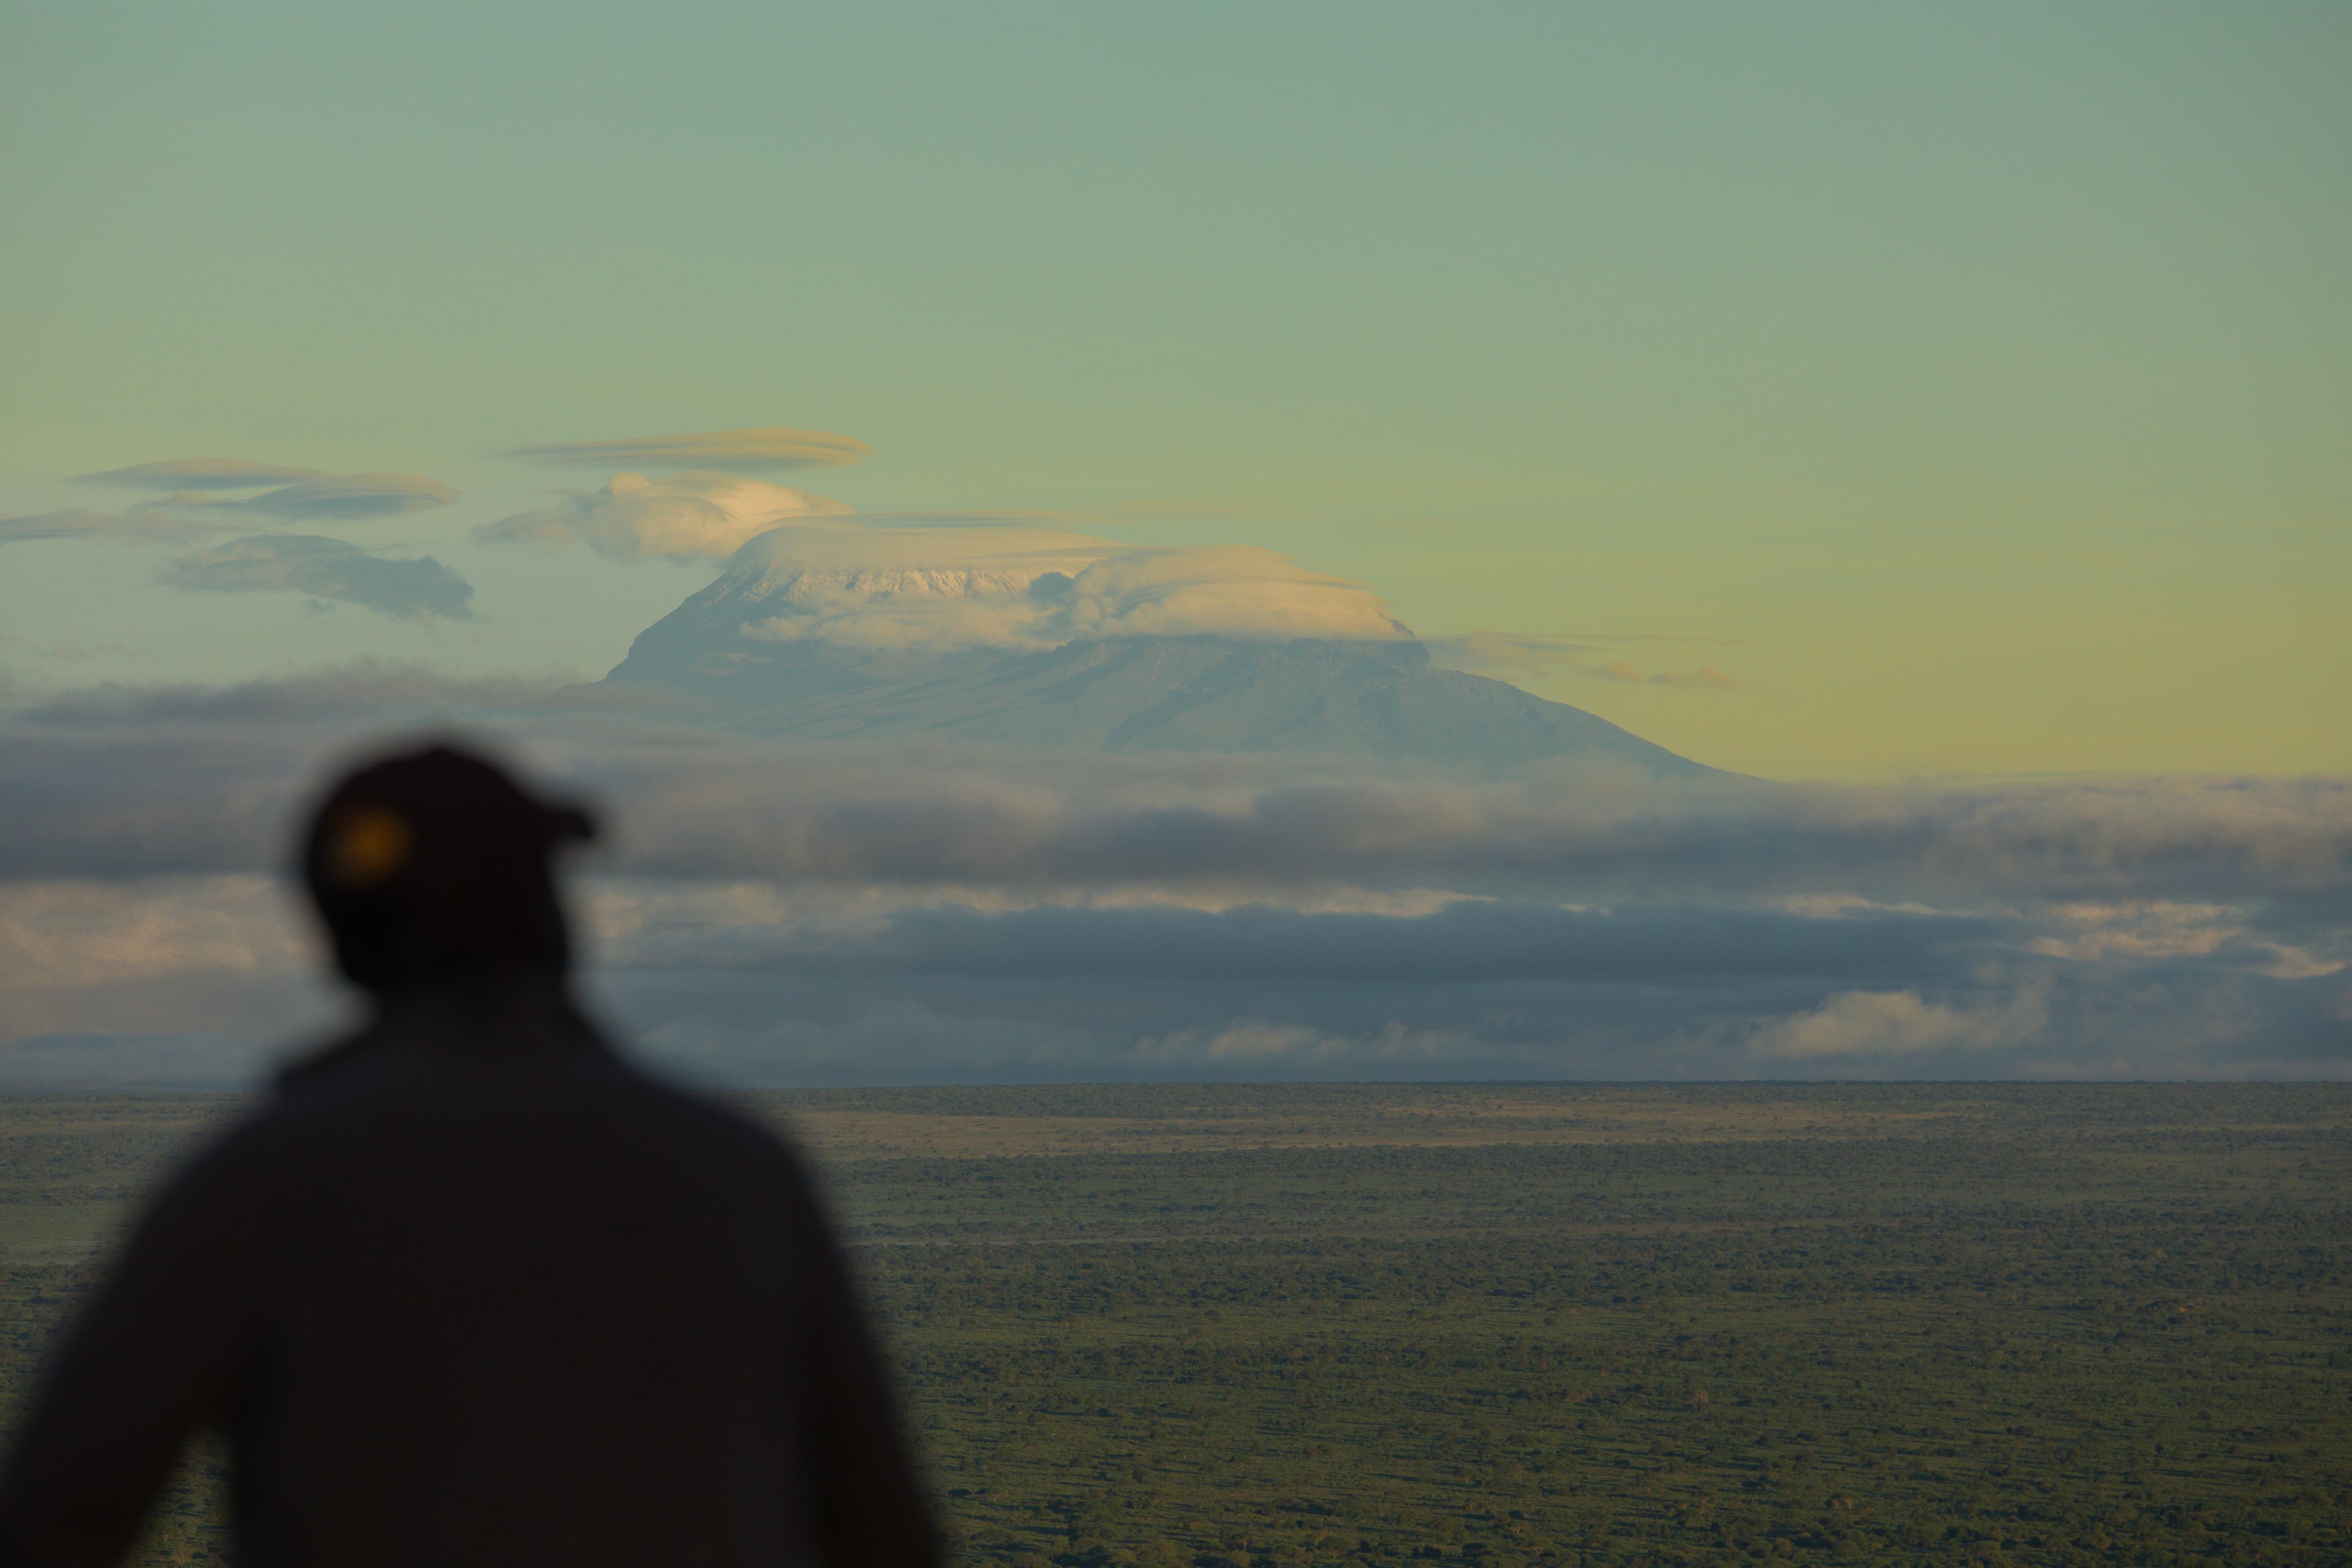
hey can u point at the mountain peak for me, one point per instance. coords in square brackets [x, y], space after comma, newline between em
[1030, 637]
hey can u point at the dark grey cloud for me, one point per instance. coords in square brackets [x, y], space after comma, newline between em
[122, 781]
[391, 694]
[886, 816]
[699, 804]
[201, 474]
[328, 569]
[1467, 941]
[759, 450]
[1525, 991]
[1643, 994]
[142, 1062]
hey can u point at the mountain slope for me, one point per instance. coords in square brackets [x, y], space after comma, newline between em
[1380, 698]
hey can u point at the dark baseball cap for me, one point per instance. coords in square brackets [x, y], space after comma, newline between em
[434, 861]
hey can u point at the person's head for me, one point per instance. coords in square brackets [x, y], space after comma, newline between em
[432, 865]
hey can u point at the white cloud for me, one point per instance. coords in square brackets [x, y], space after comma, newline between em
[2141, 929]
[1028, 588]
[1231, 590]
[2147, 930]
[1005, 558]
[1901, 1024]
[103, 934]
[903, 587]
[217, 955]
[683, 517]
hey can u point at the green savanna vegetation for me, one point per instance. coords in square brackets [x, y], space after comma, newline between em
[1510, 1326]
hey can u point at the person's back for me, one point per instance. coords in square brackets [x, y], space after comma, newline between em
[469, 1289]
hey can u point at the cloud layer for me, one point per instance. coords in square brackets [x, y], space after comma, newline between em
[693, 516]
[761, 448]
[339, 498]
[78, 522]
[350, 497]
[192, 483]
[330, 571]
[1507, 654]
[770, 913]
[202, 474]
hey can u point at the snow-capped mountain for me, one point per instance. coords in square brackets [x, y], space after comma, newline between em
[1032, 638]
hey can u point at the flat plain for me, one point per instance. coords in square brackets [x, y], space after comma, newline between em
[1509, 1325]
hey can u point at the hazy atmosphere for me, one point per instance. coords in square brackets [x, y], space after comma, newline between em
[1226, 542]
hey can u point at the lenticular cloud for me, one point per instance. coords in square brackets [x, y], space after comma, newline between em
[695, 516]
[1027, 588]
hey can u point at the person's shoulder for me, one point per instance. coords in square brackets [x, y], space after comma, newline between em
[713, 1121]
[322, 1063]
[384, 1075]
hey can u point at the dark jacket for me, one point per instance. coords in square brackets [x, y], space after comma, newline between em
[467, 1289]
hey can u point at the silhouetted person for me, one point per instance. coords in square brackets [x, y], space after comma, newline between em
[467, 1289]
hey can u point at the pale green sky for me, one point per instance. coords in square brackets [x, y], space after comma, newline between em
[1974, 381]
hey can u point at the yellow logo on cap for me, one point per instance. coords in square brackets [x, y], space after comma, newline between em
[368, 845]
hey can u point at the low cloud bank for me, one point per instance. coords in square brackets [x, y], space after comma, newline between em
[1516, 991]
[772, 914]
